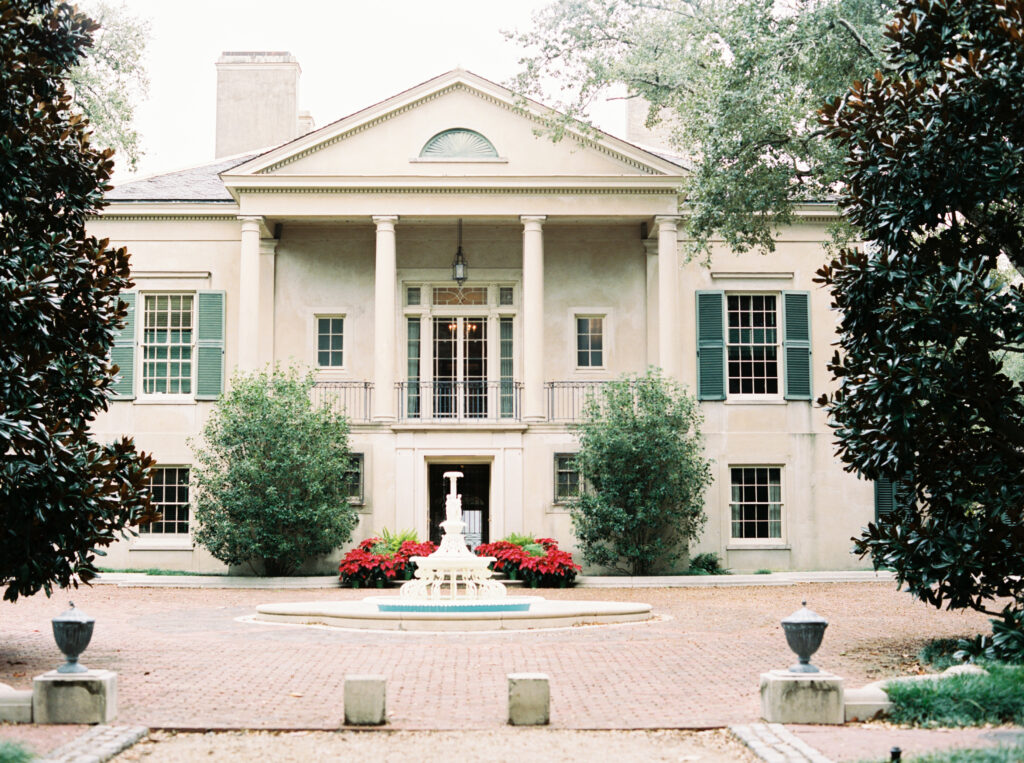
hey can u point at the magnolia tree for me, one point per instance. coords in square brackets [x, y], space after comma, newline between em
[935, 180]
[642, 461]
[271, 474]
[63, 496]
[734, 84]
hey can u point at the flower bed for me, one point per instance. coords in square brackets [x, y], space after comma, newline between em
[538, 563]
[374, 562]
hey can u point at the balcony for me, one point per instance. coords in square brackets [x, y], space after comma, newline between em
[352, 398]
[455, 401]
[566, 399]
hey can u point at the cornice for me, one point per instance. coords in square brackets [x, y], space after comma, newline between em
[472, 191]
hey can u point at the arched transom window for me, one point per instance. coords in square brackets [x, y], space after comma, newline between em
[458, 143]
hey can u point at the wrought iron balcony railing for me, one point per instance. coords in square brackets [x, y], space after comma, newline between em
[472, 400]
[352, 398]
[566, 399]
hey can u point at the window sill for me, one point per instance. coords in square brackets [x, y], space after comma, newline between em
[755, 401]
[759, 547]
[167, 543]
[165, 400]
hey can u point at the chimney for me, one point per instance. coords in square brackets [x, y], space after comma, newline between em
[257, 100]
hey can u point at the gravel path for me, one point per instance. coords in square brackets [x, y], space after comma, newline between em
[503, 744]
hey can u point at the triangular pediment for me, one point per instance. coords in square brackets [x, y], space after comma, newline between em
[388, 140]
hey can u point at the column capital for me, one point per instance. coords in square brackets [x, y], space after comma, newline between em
[666, 221]
[250, 222]
[529, 221]
[383, 221]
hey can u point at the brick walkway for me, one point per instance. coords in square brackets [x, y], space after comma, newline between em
[184, 661]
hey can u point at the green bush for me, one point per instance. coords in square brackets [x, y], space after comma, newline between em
[961, 700]
[642, 456]
[940, 653]
[270, 475]
[707, 564]
[12, 752]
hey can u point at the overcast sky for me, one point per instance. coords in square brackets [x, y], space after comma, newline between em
[353, 53]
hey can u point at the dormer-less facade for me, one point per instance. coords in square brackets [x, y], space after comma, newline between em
[335, 250]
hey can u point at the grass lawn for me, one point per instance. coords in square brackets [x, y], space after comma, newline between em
[962, 700]
[983, 755]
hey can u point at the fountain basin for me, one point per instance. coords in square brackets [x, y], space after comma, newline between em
[367, 615]
[504, 604]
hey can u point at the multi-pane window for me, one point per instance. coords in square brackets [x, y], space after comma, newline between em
[753, 344]
[567, 478]
[589, 341]
[169, 489]
[330, 341]
[167, 340]
[354, 479]
[756, 502]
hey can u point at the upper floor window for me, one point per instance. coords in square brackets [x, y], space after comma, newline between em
[751, 344]
[589, 341]
[458, 143]
[167, 344]
[330, 341]
[176, 348]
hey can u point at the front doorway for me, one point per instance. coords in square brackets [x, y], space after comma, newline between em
[475, 487]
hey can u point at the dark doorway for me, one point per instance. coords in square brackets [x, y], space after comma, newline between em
[475, 487]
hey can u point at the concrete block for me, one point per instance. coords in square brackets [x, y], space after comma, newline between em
[801, 697]
[15, 705]
[865, 704]
[365, 700]
[89, 697]
[529, 699]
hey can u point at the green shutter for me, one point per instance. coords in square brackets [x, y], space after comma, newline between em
[796, 344]
[884, 497]
[710, 345]
[122, 353]
[210, 349]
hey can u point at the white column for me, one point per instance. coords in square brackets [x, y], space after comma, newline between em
[668, 297]
[651, 301]
[384, 320]
[249, 294]
[533, 317]
[268, 266]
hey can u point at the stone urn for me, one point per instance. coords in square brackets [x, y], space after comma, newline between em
[72, 630]
[804, 631]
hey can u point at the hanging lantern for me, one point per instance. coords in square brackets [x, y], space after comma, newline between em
[459, 264]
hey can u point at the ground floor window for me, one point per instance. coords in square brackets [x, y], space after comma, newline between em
[169, 487]
[567, 478]
[756, 502]
[354, 479]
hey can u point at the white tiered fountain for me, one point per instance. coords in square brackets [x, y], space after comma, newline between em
[453, 578]
[453, 591]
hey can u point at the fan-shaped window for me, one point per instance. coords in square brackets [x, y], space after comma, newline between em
[458, 144]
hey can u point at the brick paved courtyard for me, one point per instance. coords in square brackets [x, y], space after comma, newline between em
[185, 661]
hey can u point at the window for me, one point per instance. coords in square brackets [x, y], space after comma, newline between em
[169, 487]
[412, 295]
[756, 502]
[751, 345]
[753, 349]
[505, 296]
[330, 341]
[589, 341]
[567, 478]
[354, 479]
[167, 342]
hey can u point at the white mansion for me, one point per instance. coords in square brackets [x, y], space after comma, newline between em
[334, 248]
